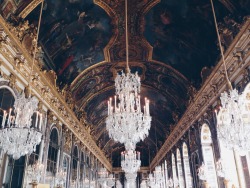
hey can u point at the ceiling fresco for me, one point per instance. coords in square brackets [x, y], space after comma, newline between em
[73, 35]
[172, 45]
[181, 36]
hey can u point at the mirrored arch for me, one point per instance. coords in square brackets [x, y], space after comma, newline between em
[188, 177]
[208, 156]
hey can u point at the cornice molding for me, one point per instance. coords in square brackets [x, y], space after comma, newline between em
[33, 4]
[237, 60]
[12, 52]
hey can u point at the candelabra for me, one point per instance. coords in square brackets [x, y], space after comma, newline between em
[130, 161]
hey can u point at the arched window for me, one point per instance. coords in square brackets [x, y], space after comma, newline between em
[165, 172]
[208, 156]
[179, 168]
[65, 168]
[87, 168]
[188, 177]
[195, 165]
[75, 159]
[174, 172]
[53, 151]
[82, 161]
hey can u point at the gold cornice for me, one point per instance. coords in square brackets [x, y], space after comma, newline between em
[33, 4]
[44, 90]
[210, 91]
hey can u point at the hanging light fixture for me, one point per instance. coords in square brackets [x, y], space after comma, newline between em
[157, 179]
[202, 173]
[61, 178]
[18, 135]
[127, 123]
[233, 119]
[35, 172]
[130, 162]
[102, 176]
[105, 179]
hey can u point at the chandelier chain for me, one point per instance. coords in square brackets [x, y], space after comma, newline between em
[126, 34]
[35, 46]
[220, 45]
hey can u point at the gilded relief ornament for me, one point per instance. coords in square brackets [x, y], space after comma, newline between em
[68, 140]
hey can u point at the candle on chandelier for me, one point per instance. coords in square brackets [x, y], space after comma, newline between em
[115, 103]
[122, 156]
[139, 103]
[9, 117]
[40, 122]
[111, 107]
[108, 107]
[36, 119]
[147, 106]
[4, 118]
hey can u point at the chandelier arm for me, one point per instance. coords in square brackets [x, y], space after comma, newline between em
[35, 46]
[220, 45]
[126, 34]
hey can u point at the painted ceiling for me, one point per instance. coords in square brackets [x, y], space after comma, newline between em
[172, 45]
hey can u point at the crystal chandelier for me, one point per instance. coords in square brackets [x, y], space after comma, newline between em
[202, 172]
[118, 184]
[127, 123]
[18, 135]
[233, 123]
[220, 168]
[130, 162]
[61, 178]
[35, 172]
[131, 180]
[157, 179]
[103, 176]
[105, 179]
[143, 184]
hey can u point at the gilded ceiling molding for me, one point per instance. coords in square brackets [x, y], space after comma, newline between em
[214, 85]
[33, 4]
[11, 51]
[83, 73]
